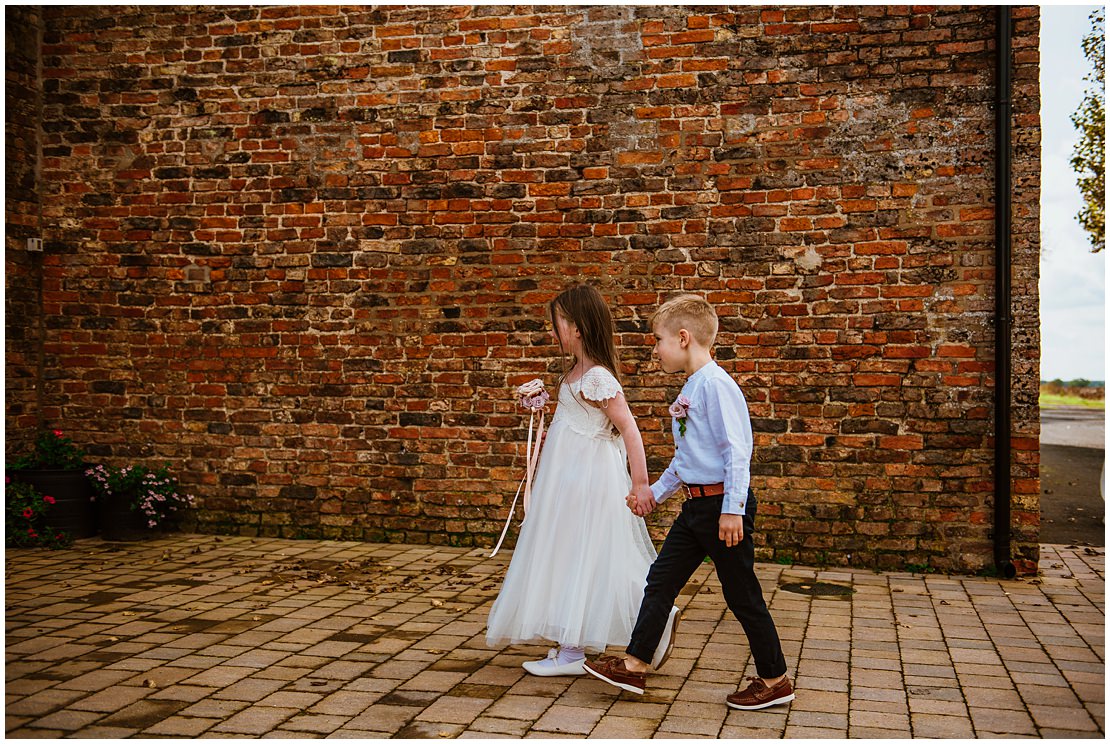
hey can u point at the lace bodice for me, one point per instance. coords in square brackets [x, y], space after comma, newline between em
[597, 385]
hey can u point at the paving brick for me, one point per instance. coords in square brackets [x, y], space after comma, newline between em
[254, 720]
[256, 659]
[67, 720]
[993, 720]
[938, 707]
[821, 701]
[111, 699]
[866, 732]
[809, 732]
[686, 726]
[568, 719]
[313, 723]
[872, 719]
[488, 695]
[637, 709]
[454, 710]
[617, 726]
[97, 680]
[250, 690]
[381, 717]
[1064, 719]
[211, 708]
[352, 733]
[180, 727]
[434, 681]
[44, 702]
[511, 728]
[220, 676]
[36, 733]
[519, 707]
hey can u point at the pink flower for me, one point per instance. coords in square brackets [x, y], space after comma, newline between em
[27, 514]
[48, 499]
[679, 411]
[532, 396]
[57, 432]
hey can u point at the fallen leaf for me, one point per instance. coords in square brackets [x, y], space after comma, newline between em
[150, 683]
[437, 603]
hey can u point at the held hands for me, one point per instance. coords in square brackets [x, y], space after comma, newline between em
[732, 529]
[641, 501]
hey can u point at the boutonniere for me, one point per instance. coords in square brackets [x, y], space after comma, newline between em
[679, 410]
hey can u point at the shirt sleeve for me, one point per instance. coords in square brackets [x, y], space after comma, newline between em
[667, 485]
[731, 427]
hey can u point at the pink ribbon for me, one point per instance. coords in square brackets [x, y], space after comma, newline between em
[533, 397]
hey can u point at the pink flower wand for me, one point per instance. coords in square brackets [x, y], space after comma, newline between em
[532, 397]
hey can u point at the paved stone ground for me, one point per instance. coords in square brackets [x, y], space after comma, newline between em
[199, 636]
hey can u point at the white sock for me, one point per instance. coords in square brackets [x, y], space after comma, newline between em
[569, 655]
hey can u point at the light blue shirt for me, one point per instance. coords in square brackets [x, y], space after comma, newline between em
[717, 447]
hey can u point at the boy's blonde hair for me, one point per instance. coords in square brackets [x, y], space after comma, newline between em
[689, 311]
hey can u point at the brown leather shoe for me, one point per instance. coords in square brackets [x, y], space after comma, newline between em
[611, 669]
[758, 695]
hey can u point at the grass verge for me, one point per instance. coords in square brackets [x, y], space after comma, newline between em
[1048, 400]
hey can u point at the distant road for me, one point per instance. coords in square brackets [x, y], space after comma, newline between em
[1073, 458]
[1074, 426]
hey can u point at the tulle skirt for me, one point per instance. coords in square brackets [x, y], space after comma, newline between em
[578, 572]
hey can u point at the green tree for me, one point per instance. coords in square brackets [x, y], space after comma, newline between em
[1089, 156]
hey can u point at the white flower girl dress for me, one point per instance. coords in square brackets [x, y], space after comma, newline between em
[581, 560]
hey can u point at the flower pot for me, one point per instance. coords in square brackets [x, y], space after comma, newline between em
[73, 511]
[118, 521]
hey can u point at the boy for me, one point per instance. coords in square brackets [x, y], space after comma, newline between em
[713, 449]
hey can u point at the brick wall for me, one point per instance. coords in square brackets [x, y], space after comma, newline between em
[303, 254]
[22, 269]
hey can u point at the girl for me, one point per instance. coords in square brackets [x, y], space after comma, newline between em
[577, 574]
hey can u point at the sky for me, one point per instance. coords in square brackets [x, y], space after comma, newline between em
[1073, 280]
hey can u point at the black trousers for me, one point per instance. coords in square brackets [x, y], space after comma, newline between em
[693, 536]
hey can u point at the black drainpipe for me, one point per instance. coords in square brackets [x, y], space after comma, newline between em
[1002, 297]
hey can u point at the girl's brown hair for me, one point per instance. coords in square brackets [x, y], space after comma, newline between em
[586, 308]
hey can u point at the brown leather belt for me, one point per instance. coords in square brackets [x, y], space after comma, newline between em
[695, 491]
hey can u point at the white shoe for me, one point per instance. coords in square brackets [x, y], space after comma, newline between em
[666, 641]
[542, 669]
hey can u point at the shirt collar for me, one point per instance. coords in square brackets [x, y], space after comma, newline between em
[704, 371]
